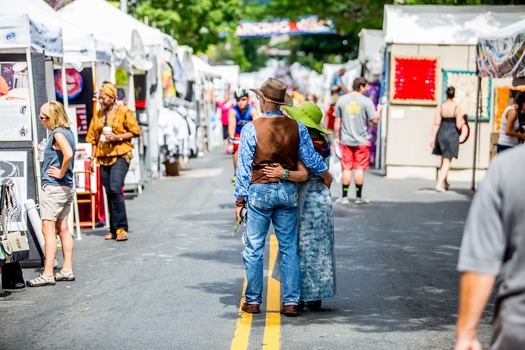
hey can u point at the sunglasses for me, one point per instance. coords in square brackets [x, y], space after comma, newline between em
[44, 117]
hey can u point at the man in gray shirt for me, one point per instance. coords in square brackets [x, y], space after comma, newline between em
[493, 252]
[352, 113]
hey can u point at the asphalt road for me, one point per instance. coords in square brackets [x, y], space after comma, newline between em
[177, 283]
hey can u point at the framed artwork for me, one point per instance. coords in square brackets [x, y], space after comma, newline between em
[414, 80]
[466, 85]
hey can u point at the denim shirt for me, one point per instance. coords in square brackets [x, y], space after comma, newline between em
[307, 154]
[53, 157]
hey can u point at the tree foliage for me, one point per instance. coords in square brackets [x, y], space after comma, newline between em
[208, 25]
[196, 23]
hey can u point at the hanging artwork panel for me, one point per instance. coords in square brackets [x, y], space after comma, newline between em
[414, 81]
[466, 85]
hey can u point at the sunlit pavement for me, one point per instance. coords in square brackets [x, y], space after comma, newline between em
[177, 283]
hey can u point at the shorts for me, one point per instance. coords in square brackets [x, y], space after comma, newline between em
[225, 132]
[236, 142]
[355, 157]
[56, 202]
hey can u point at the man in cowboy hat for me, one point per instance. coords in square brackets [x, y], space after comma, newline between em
[273, 138]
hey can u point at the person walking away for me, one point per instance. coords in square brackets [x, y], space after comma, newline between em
[316, 226]
[492, 253]
[240, 115]
[352, 113]
[509, 131]
[223, 109]
[448, 122]
[110, 133]
[57, 194]
[272, 200]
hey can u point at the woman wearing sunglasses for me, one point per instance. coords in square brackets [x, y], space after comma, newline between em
[57, 193]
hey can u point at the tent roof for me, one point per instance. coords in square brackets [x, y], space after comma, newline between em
[510, 30]
[24, 31]
[453, 25]
[79, 46]
[371, 44]
[107, 22]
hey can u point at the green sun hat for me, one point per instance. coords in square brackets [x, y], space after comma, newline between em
[309, 114]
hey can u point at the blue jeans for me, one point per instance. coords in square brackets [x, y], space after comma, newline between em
[275, 202]
[113, 180]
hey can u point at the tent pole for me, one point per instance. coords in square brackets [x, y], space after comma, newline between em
[476, 127]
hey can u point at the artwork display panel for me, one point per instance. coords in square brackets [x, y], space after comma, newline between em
[414, 80]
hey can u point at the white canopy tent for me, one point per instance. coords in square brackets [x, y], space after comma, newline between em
[445, 25]
[143, 44]
[371, 52]
[24, 32]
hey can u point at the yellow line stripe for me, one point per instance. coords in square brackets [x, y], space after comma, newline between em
[241, 337]
[272, 329]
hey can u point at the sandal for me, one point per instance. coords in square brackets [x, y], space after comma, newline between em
[110, 235]
[122, 235]
[41, 281]
[64, 276]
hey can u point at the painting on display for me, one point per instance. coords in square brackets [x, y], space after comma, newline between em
[13, 168]
[414, 81]
[74, 81]
[466, 85]
[81, 113]
[15, 115]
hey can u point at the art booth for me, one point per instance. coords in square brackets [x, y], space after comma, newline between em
[429, 48]
[500, 55]
[28, 51]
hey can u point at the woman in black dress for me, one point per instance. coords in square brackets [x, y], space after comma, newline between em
[445, 136]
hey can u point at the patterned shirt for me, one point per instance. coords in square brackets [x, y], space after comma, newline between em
[121, 120]
[307, 154]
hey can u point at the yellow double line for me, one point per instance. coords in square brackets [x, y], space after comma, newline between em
[272, 328]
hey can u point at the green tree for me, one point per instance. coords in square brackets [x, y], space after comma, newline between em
[196, 23]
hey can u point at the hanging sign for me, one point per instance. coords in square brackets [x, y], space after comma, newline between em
[15, 115]
[306, 25]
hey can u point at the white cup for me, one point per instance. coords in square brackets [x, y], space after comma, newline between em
[107, 130]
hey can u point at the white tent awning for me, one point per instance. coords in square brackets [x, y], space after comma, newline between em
[20, 31]
[445, 25]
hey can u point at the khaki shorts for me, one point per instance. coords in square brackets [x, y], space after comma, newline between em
[56, 202]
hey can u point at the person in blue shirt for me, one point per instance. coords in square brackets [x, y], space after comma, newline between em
[57, 193]
[240, 115]
[338, 84]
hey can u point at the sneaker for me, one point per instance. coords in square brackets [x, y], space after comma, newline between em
[361, 201]
[342, 200]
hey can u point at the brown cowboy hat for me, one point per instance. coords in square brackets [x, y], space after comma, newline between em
[273, 90]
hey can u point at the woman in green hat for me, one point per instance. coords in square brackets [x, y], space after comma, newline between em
[316, 225]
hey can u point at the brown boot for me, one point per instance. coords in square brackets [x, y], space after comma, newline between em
[122, 235]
